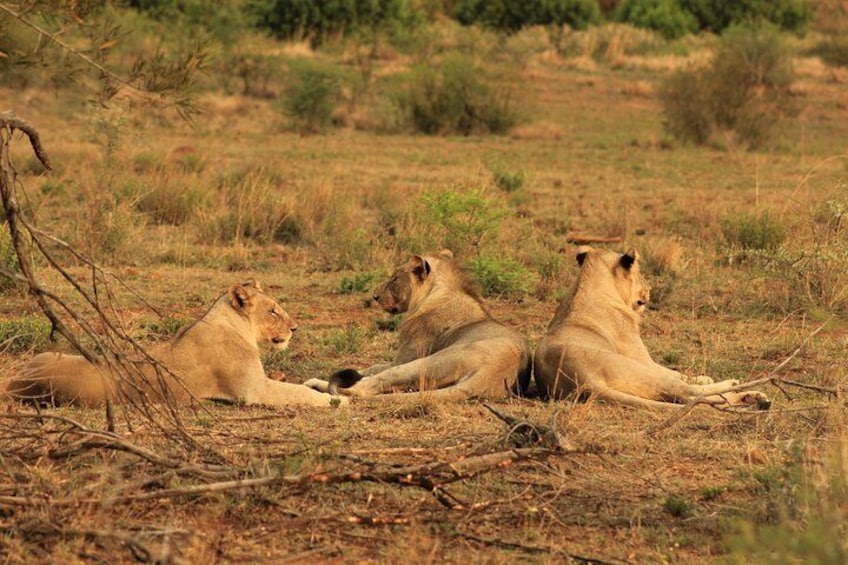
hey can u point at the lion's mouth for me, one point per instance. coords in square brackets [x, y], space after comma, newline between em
[280, 342]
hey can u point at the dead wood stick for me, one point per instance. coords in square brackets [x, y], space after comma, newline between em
[431, 476]
[772, 377]
[582, 239]
[94, 439]
[10, 121]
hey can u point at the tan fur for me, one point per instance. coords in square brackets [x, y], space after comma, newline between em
[216, 357]
[449, 342]
[593, 343]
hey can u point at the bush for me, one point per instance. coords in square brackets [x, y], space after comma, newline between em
[666, 17]
[24, 334]
[500, 276]
[753, 232]
[312, 95]
[224, 21]
[463, 220]
[360, 282]
[510, 16]
[789, 15]
[506, 179]
[455, 98]
[320, 20]
[745, 90]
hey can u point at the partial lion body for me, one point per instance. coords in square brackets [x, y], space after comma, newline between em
[216, 357]
[449, 345]
[593, 344]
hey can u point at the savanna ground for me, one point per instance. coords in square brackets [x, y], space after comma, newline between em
[149, 196]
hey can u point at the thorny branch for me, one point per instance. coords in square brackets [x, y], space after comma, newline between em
[771, 378]
[24, 237]
[432, 476]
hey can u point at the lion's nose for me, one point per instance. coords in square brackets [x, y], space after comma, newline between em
[293, 329]
[375, 298]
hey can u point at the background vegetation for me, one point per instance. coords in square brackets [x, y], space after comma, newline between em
[313, 145]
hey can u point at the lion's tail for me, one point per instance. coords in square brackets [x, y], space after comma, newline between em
[57, 378]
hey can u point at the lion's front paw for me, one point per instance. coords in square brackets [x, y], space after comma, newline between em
[317, 384]
[339, 401]
[756, 399]
[702, 380]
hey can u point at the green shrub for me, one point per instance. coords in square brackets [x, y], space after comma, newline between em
[501, 276]
[223, 21]
[312, 95]
[753, 232]
[745, 90]
[360, 282]
[455, 98]
[666, 17]
[506, 179]
[789, 15]
[25, 334]
[510, 16]
[464, 220]
[321, 20]
[677, 506]
[687, 110]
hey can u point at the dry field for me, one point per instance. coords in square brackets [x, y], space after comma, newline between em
[149, 197]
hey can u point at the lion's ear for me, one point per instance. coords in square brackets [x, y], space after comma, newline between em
[241, 296]
[446, 253]
[582, 252]
[629, 259]
[252, 283]
[420, 267]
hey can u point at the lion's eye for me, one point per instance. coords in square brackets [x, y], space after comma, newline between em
[274, 313]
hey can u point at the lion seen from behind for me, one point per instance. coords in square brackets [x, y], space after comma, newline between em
[593, 344]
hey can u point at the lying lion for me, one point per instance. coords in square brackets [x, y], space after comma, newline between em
[216, 357]
[593, 343]
[449, 343]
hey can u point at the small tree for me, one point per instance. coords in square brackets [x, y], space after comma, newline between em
[744, 90]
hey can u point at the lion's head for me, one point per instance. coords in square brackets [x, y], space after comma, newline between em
[600, 270]
[270, 323]
[409, 280]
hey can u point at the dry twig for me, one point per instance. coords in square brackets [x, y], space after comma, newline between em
[772, 378]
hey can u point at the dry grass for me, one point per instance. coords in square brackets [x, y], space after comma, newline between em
[593, 164]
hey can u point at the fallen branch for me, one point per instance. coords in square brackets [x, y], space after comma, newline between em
[583, 239]
[772, 378]
[429, 476]
[99, 439]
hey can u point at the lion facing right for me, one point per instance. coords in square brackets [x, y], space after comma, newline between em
[593, 343]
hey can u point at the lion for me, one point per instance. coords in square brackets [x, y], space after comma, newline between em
[450, 345]
[593, 344]
[215, 357]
